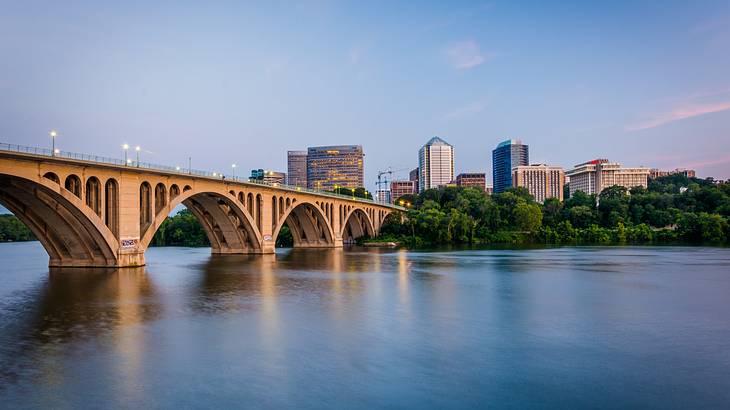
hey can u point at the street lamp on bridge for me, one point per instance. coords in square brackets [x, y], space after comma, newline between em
[125, 147]
[233, 167]
[53, 134]
[137, 148]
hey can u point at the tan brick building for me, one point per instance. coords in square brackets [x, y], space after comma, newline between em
[542, 181]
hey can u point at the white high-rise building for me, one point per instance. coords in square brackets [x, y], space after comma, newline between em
[435, 164]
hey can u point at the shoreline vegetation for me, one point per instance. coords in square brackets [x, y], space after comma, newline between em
[673, 210]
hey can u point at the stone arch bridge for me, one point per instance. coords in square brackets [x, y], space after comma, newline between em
[95, 212]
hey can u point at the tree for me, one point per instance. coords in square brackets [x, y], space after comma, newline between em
[552, 211]
[182, 229]
[12, 230]
[528, 217]
[613, 206]
[581, 216]
[580, 198]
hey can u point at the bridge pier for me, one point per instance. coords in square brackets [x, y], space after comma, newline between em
[130, 259]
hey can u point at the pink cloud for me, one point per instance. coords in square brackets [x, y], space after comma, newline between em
[707, 163]
[690, 111]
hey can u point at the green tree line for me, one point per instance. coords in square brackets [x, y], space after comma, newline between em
[12, 230]
[672, 209]
[356, 193]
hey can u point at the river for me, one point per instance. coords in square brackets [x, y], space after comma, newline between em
[585, 327]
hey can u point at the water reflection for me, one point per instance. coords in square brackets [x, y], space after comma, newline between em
[232, 283]
[369, 328]
[71, 306]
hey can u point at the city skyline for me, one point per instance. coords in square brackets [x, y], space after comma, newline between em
[653, 93]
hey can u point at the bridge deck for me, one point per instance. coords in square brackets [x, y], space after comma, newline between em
[15, 150]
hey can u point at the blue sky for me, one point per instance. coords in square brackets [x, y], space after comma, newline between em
[642, 84]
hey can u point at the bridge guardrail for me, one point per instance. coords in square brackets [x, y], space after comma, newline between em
[178, 170]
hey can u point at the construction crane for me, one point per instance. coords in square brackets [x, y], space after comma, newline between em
[384, 178]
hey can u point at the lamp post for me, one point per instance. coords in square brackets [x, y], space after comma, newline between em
[53, 134]
[125, 147]
[233, 167]
[137, 148]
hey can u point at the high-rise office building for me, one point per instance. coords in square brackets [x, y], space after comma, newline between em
[413, 176]
[435, 164]
[472, 179]
[340, 165]
[592, 177]
[296, 162]
[400, 188]
[542, 181]
[507, 155]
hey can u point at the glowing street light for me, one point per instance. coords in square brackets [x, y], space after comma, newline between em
[138, 149]
[233, 167]
[125, 147]
[53, 134]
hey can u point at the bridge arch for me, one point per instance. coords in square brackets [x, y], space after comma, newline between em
[160, 197]
[357, 224]
[73, 184]
[52, 176]
[174, 191]
[93, 194]
[111, 206]
[72, 233]
[227, 224]
[308, 224]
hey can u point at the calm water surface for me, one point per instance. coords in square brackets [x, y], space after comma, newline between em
[550, 328]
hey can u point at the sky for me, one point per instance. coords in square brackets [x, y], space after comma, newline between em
[640, 83]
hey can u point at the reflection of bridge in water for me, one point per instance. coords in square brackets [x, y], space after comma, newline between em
[99, 212]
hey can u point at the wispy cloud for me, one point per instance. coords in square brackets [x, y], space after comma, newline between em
[465, 55]
[688, 110]
[473, 108]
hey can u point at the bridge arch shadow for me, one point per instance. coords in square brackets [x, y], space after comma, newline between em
[72, 233]
[228, 225]
[358, 224]
[309, 226]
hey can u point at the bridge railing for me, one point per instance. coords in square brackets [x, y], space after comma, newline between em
[178, 170]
